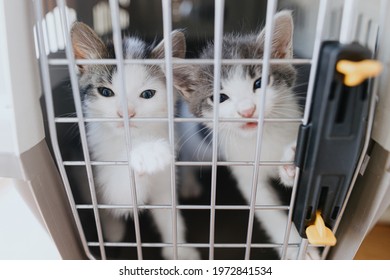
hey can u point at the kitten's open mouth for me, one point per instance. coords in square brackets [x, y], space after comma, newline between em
[249, 125]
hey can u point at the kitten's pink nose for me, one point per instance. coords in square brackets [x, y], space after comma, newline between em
[247, 112]
[130, 113]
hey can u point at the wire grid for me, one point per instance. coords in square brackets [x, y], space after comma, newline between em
[71, 62]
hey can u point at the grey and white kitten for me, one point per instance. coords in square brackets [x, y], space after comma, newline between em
[239, 98]
[150, 154]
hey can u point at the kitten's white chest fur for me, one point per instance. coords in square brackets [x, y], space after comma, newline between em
[150, 158]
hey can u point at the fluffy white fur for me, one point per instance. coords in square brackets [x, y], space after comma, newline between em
[237, 140]
[238, 143]
[150, 155]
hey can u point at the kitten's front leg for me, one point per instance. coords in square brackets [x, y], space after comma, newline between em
[287, 172]
[274, 222]
[114, 228]
[163, 220]
[151, 157]
[190, 186]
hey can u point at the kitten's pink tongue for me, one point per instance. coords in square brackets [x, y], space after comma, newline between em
[250, 125]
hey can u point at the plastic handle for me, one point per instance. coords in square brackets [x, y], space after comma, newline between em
[356, 72]
[319, 234]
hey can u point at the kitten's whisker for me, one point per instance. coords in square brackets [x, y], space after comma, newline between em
[206, 149]
[301, 84]
[188, 130]
[198, 149]
[285, 107]
[289, 114]
[66, 115]
[192, 135]
[227, 139]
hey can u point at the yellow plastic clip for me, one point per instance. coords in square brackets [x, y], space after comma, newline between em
[319, 234]
[356, 72]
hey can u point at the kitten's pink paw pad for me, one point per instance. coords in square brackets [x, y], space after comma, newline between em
[287, 172]
[290, 170]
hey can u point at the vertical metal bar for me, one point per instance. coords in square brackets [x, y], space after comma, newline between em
[218, 37]
[114, 6]
[51, 123]
[81, 123]
[348, 20]
[303, 249]
[290, 213]
[167, 25]
[271, 8]
[316, 53]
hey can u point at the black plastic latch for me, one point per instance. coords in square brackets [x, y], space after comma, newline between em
[329, 146]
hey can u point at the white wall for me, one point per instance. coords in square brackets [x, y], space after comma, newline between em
[20, 117]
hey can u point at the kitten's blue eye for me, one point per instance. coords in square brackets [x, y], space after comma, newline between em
[106, 92]
[222, 98]
[257, 84]
[147, 94]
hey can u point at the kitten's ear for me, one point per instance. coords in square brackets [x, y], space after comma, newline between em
[178, 46]
[184, 79]
[182, 74]
[86, 43]
[282, 39]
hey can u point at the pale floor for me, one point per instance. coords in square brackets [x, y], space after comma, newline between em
[22, 236]
[376, 245]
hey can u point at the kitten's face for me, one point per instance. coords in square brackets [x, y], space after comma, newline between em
[145, 85]
[145, 93]
[240, 97]
[241, 85]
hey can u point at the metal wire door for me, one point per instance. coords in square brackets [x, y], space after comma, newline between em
[328, 13]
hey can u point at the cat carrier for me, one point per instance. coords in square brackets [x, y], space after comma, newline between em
[338, 166]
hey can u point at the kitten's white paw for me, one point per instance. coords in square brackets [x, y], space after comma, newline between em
[287, 172]
[151, 157]
[184, 253]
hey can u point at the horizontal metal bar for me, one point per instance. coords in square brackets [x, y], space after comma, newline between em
[184, 163]
[178, 120]
[193, 245]
[297, 61]
[185, 207]
[233, 163]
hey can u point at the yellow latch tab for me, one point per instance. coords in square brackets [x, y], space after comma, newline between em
[319, 234]
[356, 72]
